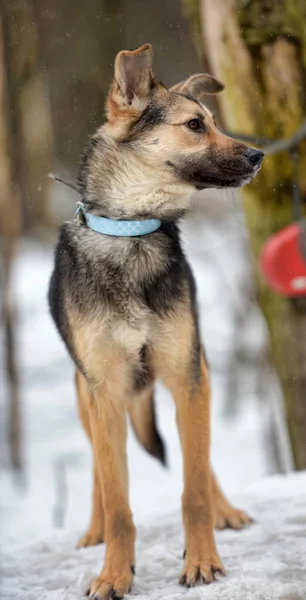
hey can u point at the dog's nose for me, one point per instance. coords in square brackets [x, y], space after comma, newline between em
[255, 157]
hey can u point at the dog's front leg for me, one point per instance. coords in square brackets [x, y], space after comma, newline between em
[192, 404]
[178, 361]
[108, 427]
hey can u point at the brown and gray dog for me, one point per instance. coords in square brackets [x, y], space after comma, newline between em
[126, 307]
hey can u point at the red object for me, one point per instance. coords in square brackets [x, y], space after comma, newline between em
[283, 260]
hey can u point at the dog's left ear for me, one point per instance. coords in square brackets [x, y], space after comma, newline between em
[197, 86]
[133, 79]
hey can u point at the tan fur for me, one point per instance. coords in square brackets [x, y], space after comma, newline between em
[107, 363]
[106, 408]
[108, 426]
[108, 354]
[192, 406]
[140, 413]
[198, 85]
[153, 183]
[95, 533]
[225, 515]
[108, 339]
[131, 84]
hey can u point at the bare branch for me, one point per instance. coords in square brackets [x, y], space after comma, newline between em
[272, 146]
[68, 183]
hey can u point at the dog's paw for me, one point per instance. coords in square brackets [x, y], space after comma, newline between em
[91, 538]
[107, 587]
[232, 518]
[201, 571]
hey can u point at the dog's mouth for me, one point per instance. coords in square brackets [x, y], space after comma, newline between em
[202, 183]
[235, 175]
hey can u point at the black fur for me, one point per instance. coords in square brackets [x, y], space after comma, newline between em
[157, 447]
[217, 171]
[85, 164]
[100, 282]
[153, 115]
[143, 374]
[162, 293]
[65, 266]
[193, 100]
[93, 282]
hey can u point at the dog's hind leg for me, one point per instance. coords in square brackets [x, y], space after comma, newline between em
[225, 515]
[95, 533]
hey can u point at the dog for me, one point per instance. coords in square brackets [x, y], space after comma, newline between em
[125, 305]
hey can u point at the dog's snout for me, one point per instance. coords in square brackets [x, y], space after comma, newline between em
[254, 157]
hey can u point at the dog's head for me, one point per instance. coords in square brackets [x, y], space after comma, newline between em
[159, 144]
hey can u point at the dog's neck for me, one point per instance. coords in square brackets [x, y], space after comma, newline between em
[123, 186]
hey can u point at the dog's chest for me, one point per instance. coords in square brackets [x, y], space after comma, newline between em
[133, 331]
[117, 274]
[125, 287]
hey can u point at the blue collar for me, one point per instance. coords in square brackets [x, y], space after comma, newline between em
[118, 228]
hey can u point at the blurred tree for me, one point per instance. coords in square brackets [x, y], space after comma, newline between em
[78, 44]
[10, 227]
[29, 115]
[258, 49]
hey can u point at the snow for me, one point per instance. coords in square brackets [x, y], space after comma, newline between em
[265, 561]
[43, 515]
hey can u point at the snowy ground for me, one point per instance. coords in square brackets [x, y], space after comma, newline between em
[41, 520]
[264, 562]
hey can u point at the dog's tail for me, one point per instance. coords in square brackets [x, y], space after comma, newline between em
[143, 418]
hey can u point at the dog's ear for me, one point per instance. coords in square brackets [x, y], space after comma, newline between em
[132, 81]
[197, 86]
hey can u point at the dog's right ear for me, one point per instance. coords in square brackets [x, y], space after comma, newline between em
[132, 81]
[198, 86]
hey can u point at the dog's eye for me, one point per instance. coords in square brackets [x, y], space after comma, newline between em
[196, 125]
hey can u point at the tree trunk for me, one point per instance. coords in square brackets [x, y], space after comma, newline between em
[258, 49]
[77, 52]
[10, 226]
[29, 115]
